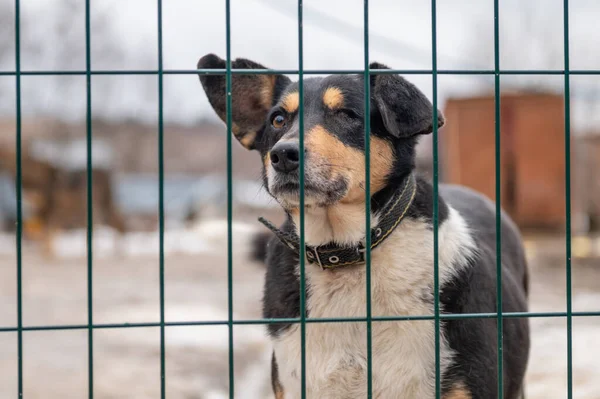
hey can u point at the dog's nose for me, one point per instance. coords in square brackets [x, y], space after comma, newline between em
[285, 156]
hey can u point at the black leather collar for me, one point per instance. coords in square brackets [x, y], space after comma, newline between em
[333, 256]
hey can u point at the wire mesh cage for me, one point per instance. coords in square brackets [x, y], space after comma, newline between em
[438, 317]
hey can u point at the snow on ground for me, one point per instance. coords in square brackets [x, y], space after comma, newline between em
[7, 244]
[126, 290]
[200, 238]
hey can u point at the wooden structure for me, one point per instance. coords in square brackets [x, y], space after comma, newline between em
[57, 198]
[588, 188]
[532, 150]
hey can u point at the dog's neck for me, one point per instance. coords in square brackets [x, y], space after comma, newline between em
[342, 223]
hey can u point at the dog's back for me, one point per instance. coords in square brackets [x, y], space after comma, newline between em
[475, 341]
[480, 214]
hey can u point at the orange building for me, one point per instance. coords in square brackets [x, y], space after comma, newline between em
[532, 147]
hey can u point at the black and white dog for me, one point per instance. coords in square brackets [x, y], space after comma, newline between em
[265, 118]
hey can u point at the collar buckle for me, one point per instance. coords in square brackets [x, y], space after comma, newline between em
[313, 257]
[361, 252]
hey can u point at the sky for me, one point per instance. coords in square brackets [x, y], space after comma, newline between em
[531, 36]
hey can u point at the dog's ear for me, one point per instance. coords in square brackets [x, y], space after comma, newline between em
[252, 96]
[404, 109]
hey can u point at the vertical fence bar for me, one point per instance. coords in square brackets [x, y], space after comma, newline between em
[161, 202]
[301, 182]
[367, 84]
[18, 184]
[498, 157]
[90, 214]
[436, 279]
[568, 202]
[229, 198]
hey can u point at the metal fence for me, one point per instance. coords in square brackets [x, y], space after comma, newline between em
[434, 72]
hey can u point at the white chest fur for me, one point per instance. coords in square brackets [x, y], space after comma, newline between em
[403, 352]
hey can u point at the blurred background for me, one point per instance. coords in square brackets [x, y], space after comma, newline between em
[125, 177]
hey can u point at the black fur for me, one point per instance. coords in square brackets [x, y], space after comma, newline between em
[282, 286]
[405, 111]
[259, 246]
[473, 291]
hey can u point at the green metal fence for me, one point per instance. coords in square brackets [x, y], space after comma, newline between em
[497, 72]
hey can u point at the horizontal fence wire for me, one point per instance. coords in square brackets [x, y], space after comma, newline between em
[442, 316]
[304, 72]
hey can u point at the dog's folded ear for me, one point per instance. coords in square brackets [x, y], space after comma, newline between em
[251, 96]
[404, 109]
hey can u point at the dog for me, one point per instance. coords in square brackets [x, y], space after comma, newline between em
[265, 118]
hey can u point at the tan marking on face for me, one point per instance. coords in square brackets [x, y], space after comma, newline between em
[235, 129]
[247, 140]
[333, 98]
[459, 391]
[349, 163]
[382, 161]
[330, 150]
[291, 102]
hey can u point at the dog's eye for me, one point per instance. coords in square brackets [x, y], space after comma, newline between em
[348, 113]
[278, 121]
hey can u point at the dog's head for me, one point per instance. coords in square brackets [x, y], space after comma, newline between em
[265, 118]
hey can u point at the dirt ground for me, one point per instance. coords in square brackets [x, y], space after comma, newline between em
[126, 289]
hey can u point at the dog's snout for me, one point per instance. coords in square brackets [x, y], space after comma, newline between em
[285, 156]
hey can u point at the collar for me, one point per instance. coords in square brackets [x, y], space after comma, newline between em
[332, 255]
